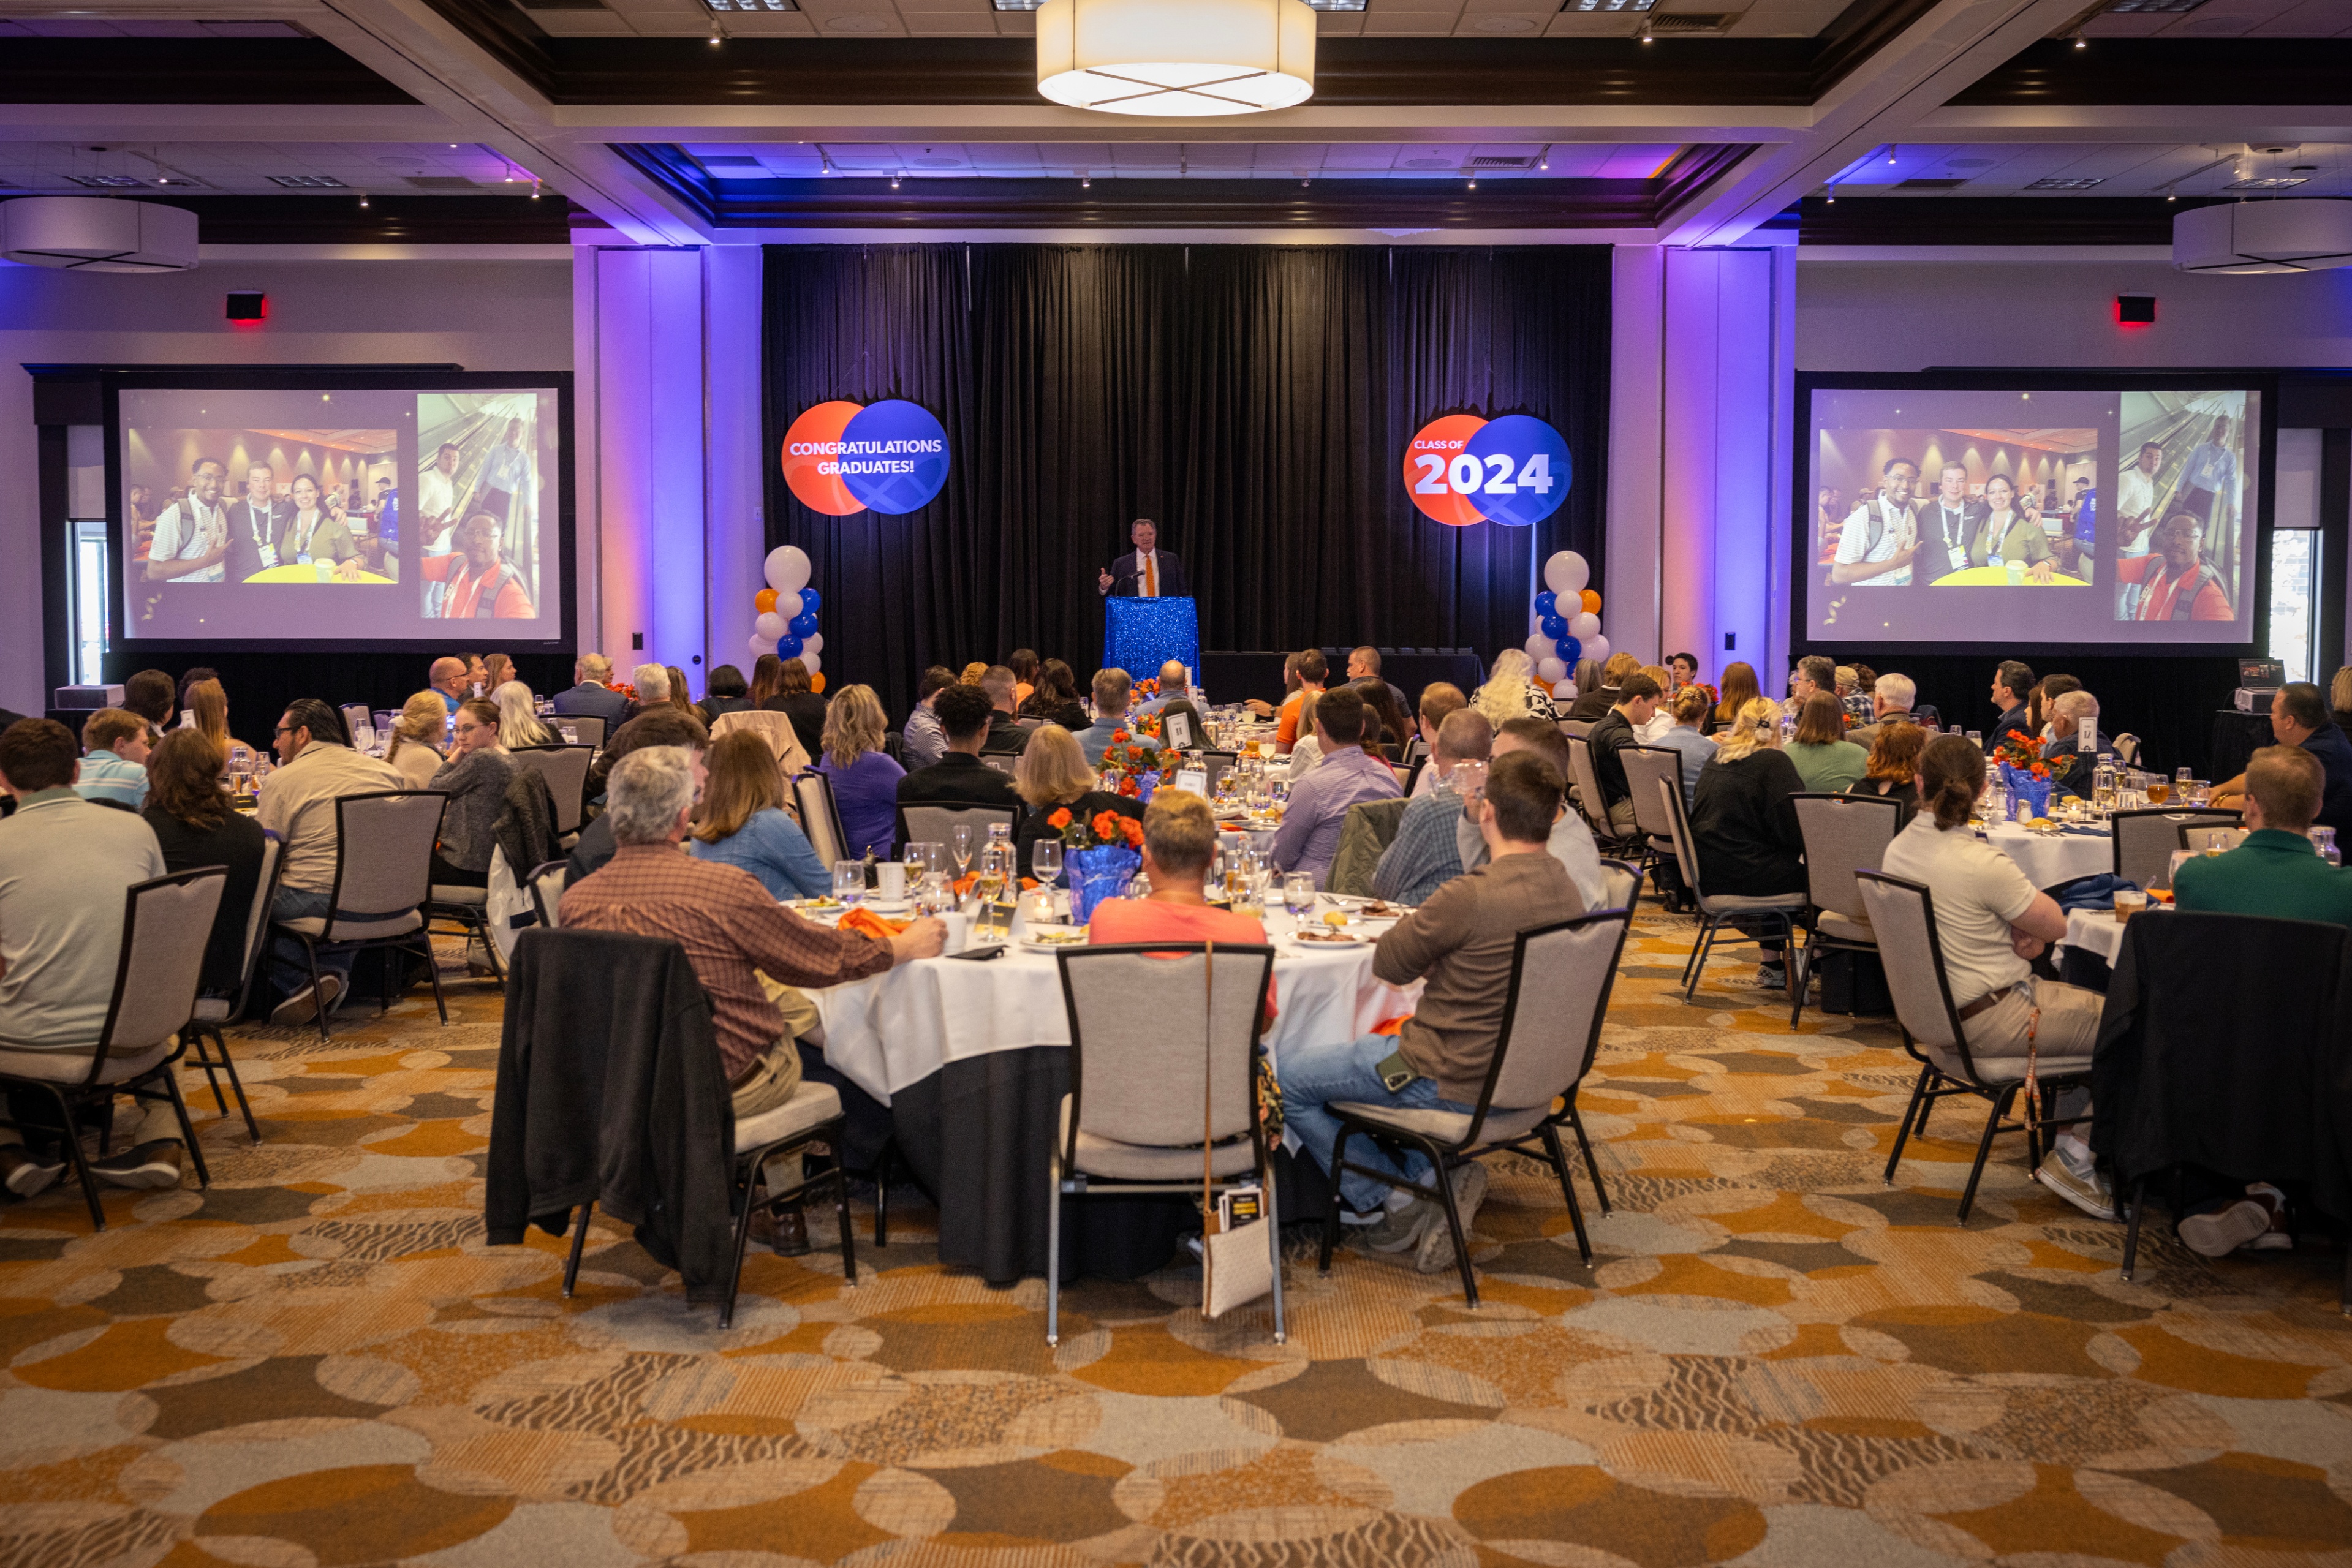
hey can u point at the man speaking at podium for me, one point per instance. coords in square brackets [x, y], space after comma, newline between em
[1150, 572]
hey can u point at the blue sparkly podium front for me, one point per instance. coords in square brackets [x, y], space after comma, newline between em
[1141, 634]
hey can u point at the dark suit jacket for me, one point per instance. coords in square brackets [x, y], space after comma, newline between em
[244, 554]
[593, 701]
[1127, 569]
[959, 778]
[1006, 735]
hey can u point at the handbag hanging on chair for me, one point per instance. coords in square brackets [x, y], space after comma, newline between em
[1237, 1266]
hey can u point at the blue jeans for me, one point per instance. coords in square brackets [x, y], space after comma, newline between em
[1314, 1075]
[290, 967]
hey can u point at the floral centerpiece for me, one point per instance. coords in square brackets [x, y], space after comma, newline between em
[1142, 763]
[1101, 855]
[623, 687]
[1147, 688]
[2024, 770]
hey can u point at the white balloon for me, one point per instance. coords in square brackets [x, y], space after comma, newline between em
[1550, 670]
[810, 660]
[812, 644]
[1585, 626]
[1597, 649]
[787, 570]
[762, 645]
[1565, 691]
[1566, 572]
[1540, 647]
[770, 626]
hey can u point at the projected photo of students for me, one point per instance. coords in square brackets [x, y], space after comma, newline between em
[1957, 507]
[270, 505]
[479, 499]
[2181, 504]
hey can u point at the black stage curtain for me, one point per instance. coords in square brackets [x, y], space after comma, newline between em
[1254, 401]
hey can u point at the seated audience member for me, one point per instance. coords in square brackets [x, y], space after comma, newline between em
[1890, 702]
[1052, 776]
[1461, 943]
[1438, 699]
[1813, 675]
[1310, 835]
[297, 804]
[972, 672]
[864, 777]
[1022, 663]
[1991, 922]
[1425, 856]
[114, 761]
[418, 736]
[1661, 714]
[1739, 689]
[519, 720]
[1005, 735]
[2013, 681]
[1054, 698]
[1364, 666]
[679, 695]
[1893, 770]
[1513, 692]
[196, 825]
[189, 679]
[2339, 699]
[449, 676]
[2071, 713]
[478, 676]
[590, 696]
[1743, 830]
[1179, 839]
[1684, 670]
[749, 951]
[725, 691]
[2174, 581]
[2299, 716]
[1571, 843]
[64, 866]
[796, 698]
[208, 708]
[1691, 706]
[1303, 672]
[740, 820]
[1594, 702]
[663, 727]
[1175, 687]
[1636, 702]
[151, 695]
[922, 742]
[1307, 750]
[1826, 760]
[2042, 702]
[475, 777]
[960, 777]
[480, 581]
[1112, 690]
[1384, 714]
[1860, 705]
[496, 671]
[651, 681]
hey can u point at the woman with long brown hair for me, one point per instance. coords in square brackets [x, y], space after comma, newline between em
[1739, 689]
[742, 821]
[196, 826]
[677, 697]
[1743, 830]
[1893, 770]
[1824, 757]
[209, 703]
[1055, 699]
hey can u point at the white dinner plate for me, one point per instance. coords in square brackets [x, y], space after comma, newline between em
[1042, 938]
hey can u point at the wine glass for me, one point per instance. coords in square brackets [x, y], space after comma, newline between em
[959, 837]
[1046, 859]
[849, 882]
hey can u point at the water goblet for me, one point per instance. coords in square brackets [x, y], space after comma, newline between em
[1046, 860]
[849, 882]
[960, 839]
[1298, 895]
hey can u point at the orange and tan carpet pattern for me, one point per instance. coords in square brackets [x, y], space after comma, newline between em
[1777, 1360]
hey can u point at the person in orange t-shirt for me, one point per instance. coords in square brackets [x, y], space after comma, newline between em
[1179, 838]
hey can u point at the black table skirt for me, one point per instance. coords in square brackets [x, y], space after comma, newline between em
[2236, 738]
[977, 1134]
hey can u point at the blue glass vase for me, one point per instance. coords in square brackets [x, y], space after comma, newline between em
[1096, 875]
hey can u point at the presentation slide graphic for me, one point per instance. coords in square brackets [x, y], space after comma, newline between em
[1462, 469]
[2065, 516]
[842, 458]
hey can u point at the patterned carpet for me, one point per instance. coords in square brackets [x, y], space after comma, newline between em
[1777, 1360]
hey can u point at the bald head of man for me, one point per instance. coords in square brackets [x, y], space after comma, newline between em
[449, 676]
[1172, 678]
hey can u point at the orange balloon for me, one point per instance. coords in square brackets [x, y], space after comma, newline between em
[765, 598]
[816, 683]
[1592, 602]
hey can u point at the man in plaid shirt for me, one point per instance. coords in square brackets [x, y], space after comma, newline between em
[1425, 856]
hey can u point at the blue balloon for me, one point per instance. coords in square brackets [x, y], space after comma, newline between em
[804, 623]
[788, 647]
[1545, 602]
[1554, 625]
[809, 601]
[1568, 649]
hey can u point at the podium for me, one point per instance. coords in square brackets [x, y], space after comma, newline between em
[1141, 634]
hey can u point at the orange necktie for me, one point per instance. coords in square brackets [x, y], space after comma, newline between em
[1151, 576]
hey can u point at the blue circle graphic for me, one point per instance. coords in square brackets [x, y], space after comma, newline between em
[1527, 469]
[894, 456]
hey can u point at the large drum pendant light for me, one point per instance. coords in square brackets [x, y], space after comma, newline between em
[1176, 56]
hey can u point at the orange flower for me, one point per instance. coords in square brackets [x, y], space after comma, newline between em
[1104, 824]
[1134, 831]
[1118, 735]
[1059, 820]
[1127, 787]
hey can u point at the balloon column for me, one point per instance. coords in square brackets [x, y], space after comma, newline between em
[787, 606]
[1568, 622]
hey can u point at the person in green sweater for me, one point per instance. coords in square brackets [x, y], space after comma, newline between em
[1826, 760]
[2275, 871]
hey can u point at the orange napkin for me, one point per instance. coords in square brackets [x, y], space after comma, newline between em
[871, 925]
[1386, 1026]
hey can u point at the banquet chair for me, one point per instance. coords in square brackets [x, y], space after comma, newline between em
[1903, 917]
[210, 1012]
[1217, 764]
[2144, 840]
[587, 726]
[1005, 762]
[932, 824]
[820, 818]
[1575, 728]
[565, 768]
[1645, 768]
[2207, 840]
[1162, 1083]
[1623, 881]
[776, 729]
[2127, 749]
[354, 715]
[546, 883]
[1559, 992]
[166, 925]
[1715, 910]
[1843, 834]
[1587, 796]
[384, 878]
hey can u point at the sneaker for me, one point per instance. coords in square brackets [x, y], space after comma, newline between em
[24, 1174]
[151, 1165]
[1437, 1253]
[2277, 1237]
[2086, 1191]
[1400, 1228]
[1772, 976]
[304, 1005]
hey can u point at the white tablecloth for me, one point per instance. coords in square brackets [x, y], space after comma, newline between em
[2098, 931]
[2048, 860]
[902, 1026]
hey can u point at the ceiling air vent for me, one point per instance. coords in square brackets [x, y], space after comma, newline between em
[2079, 182]
[563, 5]
[440, 181]
[1930, 184]
[109, 181]
[1498, 162]
[309, 182]
[1691, 21]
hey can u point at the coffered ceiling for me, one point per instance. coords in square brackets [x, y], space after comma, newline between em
[685, 122]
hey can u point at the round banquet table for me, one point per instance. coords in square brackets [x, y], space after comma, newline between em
[2049, 858]
[1998, 577]
[972, 1060]
[299, 573]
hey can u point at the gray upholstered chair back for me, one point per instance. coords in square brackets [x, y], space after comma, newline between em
[547, 891]
[2144, 840]
[1686, 851]
[1645, 765]
[565, 768]
[384, 860]
[1005, 762]
[1588, 787]
[1902, 918]
[354, 715]
[166, 925]
[1623, 882]
[587, 726]
[1140, 1035]
[934, 824]
[2204, 839]
[1216, 765]
[1559, 980]
[1575, 728]
[813, 793]
[265, 894]
[1843, 834]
